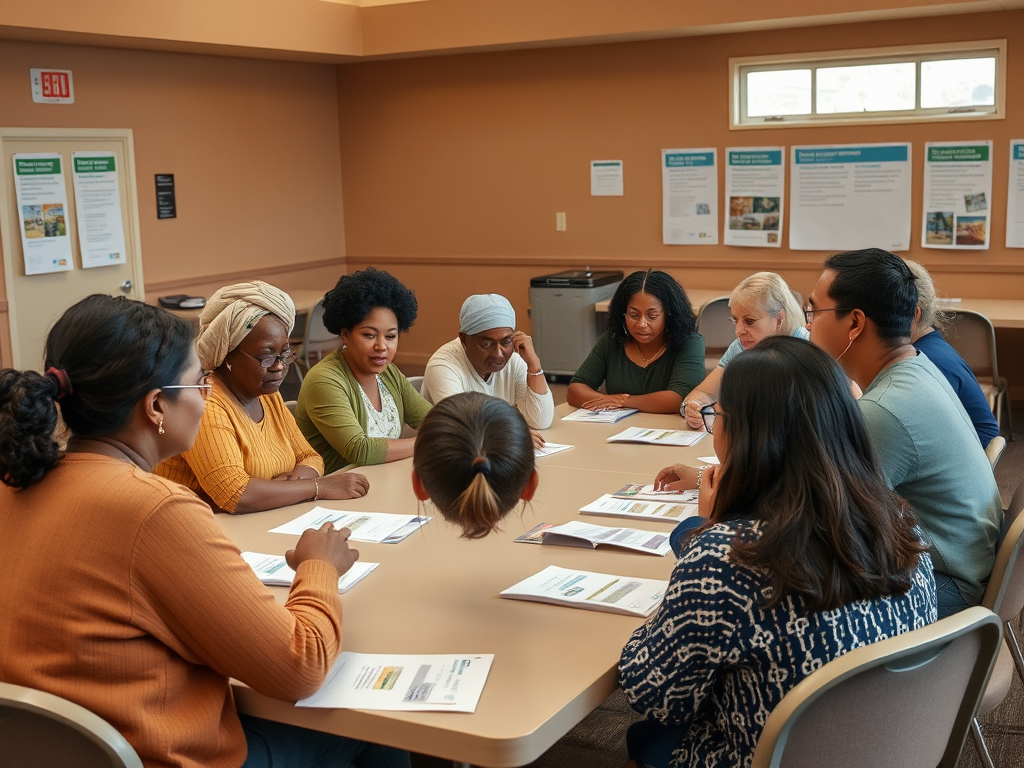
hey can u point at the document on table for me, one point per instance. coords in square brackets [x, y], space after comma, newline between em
[652, 510]
[577, 534]
[429, 683]
[376, 527]
[607, 416]
[675, 437]
[273, 571]
[549, 448]
[592, 591]
[647, 493]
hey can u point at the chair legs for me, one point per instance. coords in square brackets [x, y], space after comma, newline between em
[1011, 641]
[979, 744]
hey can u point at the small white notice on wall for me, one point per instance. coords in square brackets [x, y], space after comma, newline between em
[606, 178]
[957, 194]
[42, 212]
[98, 209]
[52, 86]
[689, 196]
[755, 179]
[1015, 197]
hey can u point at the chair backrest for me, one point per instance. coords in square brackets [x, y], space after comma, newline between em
[995, 449]
[39, 730]
[290, 405]
[907, 701]
[1005, 591]
[317, 339]
[417, 383]
[1016, 506]
[971, 334]
[714, 323]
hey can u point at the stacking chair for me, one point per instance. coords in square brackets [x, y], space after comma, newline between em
[971, 334]
[315, 340]
[290, 405]
[995, 450]
[907, 701]
[417, 383]
[714, 323]
[40, 730]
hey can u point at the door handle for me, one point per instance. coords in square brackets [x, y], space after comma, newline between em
[126, 286]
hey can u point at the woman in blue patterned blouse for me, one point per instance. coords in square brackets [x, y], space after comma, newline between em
[807, 555]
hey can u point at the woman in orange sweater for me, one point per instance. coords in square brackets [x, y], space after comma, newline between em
[120, 591]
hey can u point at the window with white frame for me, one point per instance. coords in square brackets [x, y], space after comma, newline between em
[916, 83]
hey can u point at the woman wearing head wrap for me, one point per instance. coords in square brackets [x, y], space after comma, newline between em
[354, 402]
[249, 454]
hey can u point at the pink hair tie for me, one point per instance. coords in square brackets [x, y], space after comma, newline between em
[63, 382]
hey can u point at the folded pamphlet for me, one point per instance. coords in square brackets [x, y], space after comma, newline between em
[647, 493]
[608, 416]
[375, 527]
[273, 571]
[592, 591]
[577, 534]
[651, 510]
[676, 437]
[548, 448]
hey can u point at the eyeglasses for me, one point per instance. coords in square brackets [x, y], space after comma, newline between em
[204, 389]
[709, 415]
[487, 344]
[267, 361]
[809, 313]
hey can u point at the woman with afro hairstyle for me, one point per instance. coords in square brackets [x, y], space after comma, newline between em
[354, 402]
[650, 357]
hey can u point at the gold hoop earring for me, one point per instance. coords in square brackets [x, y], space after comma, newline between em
[160, 426]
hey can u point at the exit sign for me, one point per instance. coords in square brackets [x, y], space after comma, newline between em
[52, 86]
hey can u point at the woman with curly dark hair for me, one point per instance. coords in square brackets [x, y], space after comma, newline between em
[650, 357]
[354, 402]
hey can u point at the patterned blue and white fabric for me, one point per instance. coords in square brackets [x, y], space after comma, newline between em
[711, 662]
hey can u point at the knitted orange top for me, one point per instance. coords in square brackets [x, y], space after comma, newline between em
[231, 447]
[119, 591]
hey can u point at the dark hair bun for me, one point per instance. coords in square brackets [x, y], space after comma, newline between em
[28, 420]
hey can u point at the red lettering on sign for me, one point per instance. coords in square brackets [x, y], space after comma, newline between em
[55, 85]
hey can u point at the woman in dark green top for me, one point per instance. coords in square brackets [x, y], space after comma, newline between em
[650, 357]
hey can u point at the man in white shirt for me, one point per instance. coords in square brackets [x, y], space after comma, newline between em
[490, 356]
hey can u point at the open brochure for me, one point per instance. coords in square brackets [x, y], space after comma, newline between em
[548, 448]
[677, 437]
[647, 493]
[651, 510]
[607, 416]
[577, 534]
[376, 527]
[593, 591]
[273, 571]
[437, 683]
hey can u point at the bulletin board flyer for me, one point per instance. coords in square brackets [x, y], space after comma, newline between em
[42, 212]
[689, 196]
[957, 195]
[755, 179]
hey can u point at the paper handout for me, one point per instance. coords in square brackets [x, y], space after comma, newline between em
[677, 437]
[647, 493]
[273, 571]
[376, 527]
[607, 416]
[578, 534]
[592, 591]
[549, 448]
[652, 510]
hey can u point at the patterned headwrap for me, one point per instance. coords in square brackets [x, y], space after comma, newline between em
[232, 312]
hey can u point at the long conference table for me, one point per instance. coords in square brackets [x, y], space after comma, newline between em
[437, 593]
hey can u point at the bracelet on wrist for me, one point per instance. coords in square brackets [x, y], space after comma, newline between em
[538, 373]
[316, 488]
[700, 474]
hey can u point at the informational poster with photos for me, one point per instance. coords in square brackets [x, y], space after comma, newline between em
[689, 196]
[849, 196]
[755, 182]
[42, 196]
[1015, 196]
[957, 195]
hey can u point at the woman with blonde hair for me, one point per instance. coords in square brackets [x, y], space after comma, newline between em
[760, 306]
[474, 460]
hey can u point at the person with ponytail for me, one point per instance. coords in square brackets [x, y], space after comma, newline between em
[473, 459]
[120, 591]
[805, 555]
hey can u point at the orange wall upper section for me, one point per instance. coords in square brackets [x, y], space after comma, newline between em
[471, 156]
[253, 146]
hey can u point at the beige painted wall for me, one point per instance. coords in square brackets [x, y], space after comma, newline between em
[455, 166]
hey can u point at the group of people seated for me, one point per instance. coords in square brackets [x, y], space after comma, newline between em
[838, 513]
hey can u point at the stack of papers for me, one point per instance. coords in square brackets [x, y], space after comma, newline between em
[655, 510]
[548, 448]
[376, 527]
[657, 436]
[576, 534]
[433, 683]
[608, 416]
[647, 493]
[593, 591]
[274, 571]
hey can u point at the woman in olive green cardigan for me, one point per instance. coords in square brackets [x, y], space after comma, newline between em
[354, 402]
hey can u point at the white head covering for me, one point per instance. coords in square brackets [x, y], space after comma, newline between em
[484, 311]
[232, 312]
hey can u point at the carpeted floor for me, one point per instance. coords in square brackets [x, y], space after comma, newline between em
[599, 740]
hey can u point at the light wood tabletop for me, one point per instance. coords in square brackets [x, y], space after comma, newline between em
[437, 593]
[305, 299]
